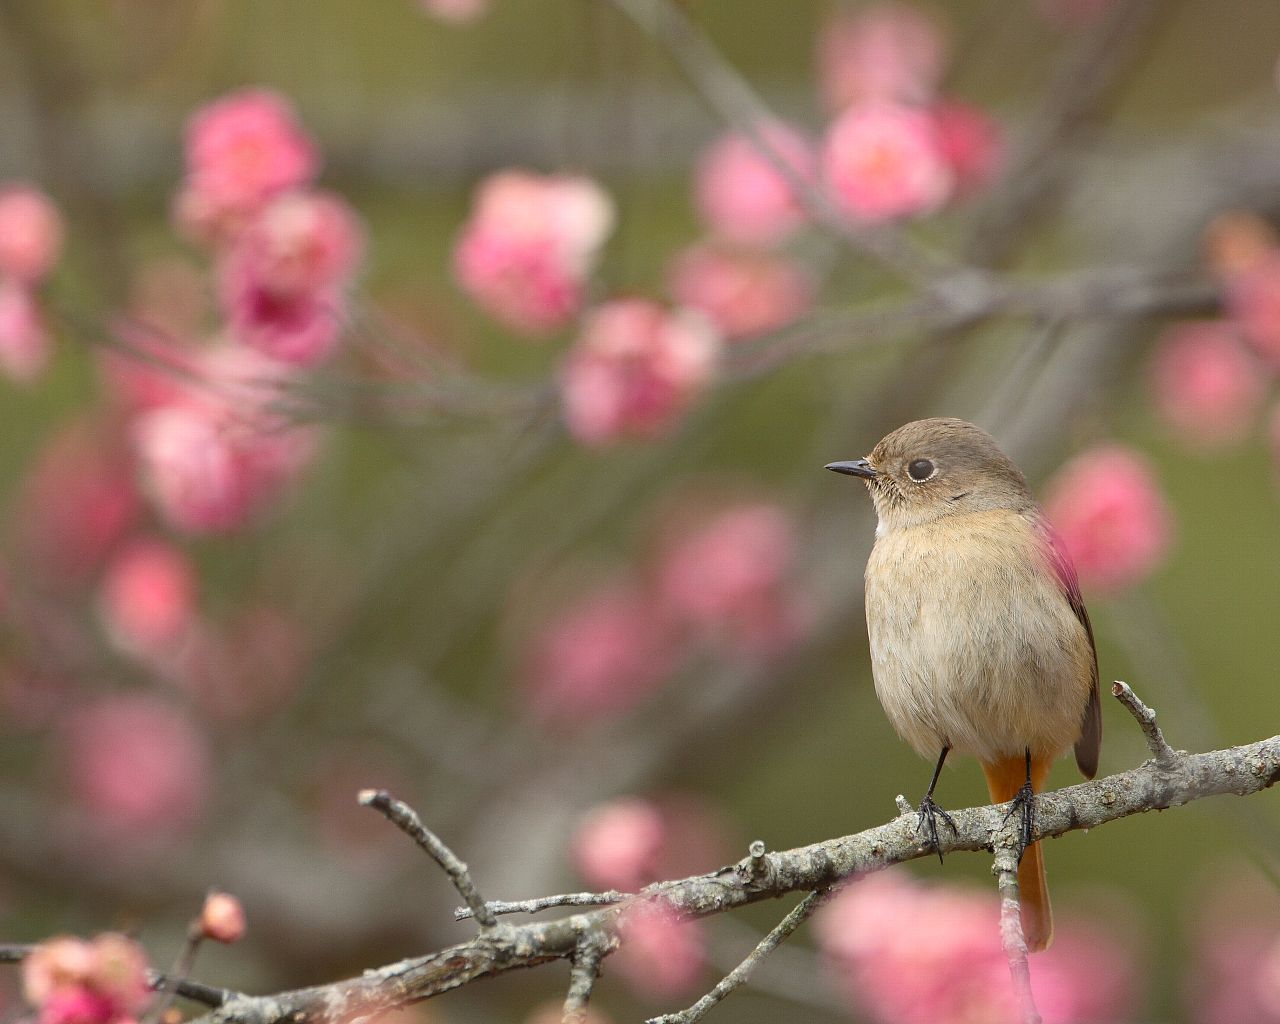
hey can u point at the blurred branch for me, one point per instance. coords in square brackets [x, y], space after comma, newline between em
[1180, 779]
[1011, 936]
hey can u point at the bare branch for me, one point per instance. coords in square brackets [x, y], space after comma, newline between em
[1165, 755]
[406, 819]
[582, 978]
[568, 899]
[1011, 936]
[740, 974]
[1238, 770]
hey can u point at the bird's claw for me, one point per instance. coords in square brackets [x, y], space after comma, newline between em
[927, 823]
[1023, 803]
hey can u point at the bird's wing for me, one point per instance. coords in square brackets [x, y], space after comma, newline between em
[1089, 742]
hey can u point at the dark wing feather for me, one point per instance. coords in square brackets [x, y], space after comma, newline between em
[1089, 744]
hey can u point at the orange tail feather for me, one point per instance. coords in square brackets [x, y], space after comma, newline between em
[1004, 779]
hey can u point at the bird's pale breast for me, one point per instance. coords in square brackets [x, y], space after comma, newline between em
[974, 644]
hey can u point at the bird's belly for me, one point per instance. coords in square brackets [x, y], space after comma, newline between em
[982, 655]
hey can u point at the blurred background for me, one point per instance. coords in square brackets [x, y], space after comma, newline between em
[434, 396]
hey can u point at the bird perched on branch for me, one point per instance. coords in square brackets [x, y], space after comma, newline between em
[980, 642]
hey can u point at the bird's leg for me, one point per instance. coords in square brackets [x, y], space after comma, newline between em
[1024, 802]
[927, 820]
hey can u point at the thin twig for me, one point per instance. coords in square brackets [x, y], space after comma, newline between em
[568, 899]
[1166, 757]
[406, 819]
[740, 974]
[1011, 936]
[181, 968]
[582, 979]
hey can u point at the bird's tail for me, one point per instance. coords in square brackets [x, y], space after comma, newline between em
[1004, 779]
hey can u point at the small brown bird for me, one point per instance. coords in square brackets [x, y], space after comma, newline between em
[980, 643]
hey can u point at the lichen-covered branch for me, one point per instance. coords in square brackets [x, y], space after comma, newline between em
[1238, 771]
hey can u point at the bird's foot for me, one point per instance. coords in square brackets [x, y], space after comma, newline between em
[927, 823]
[1023, 803]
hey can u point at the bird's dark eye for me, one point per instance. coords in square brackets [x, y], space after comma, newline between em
[920, 470]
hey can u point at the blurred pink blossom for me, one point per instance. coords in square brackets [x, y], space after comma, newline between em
[660, 957]
[24, 339]
[215, 457]
[1206, 384]
[634, 370]
[301, 328]
[743, 293]
[884, 161]
[149, 368]
[730, 577]
[148, 596]
[1236, 241]
[617, 844]
[971, 142]
[301, 242]
[74, 981]
[77, 503]
[455, 11]
[886, 52]
[241, 150]
[599, 657]
[741, 195]
[1234, 956]
[30, 233]
[137, 765]
[1111, 516]
[1253, 301]
[529, 246]
[906, 953]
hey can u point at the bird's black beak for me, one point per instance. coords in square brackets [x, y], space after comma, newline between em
[858, 467]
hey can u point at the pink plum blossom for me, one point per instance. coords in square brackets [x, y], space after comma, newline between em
[30, 234]
[634, 370]
[971, 143]
[148, 596]
[617, 845]
[887, 52]
[454, 11]
[138, 766]
[24, 339]
[660, 957]
[729, 577]
[213, 459]
[884, 161]
[743, 293]
[1253, 302]
[74, 981]
[740, 193]
[241, 151]
[1207, 385]
[529, 246]
[1111, 516]
[906, 953]
[599, 657]
[77, 503]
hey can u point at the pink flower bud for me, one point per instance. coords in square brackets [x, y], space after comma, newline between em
[742, 293]
[740, 193]
[148, 596]
[884, 161]
[888, 52]
[24, 339]
[617, 844]
[635, 368]
[30, 234]
[529, 246]
[1111, 516]
[242, 150]
[222, 918]
[1207, 385]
